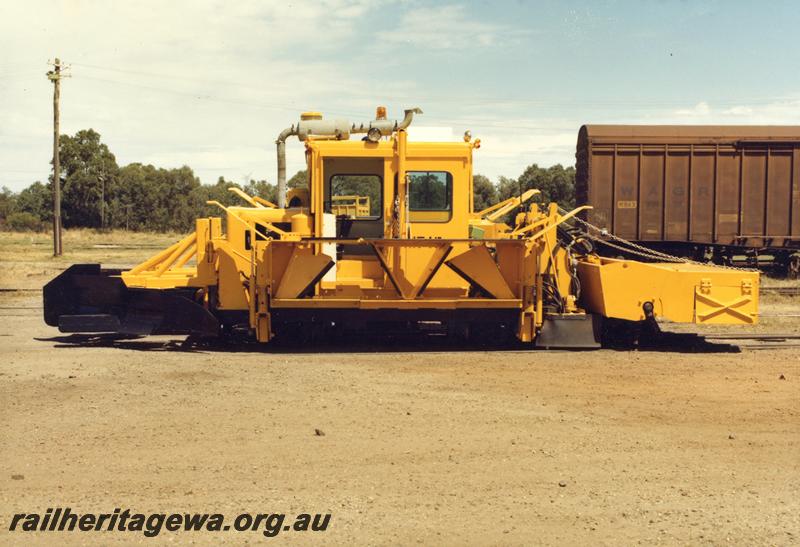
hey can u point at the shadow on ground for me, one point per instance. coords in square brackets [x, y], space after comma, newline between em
[663, 342]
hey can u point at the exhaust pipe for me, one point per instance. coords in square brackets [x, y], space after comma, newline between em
[312, 125]
[384, 126]
[281, 142]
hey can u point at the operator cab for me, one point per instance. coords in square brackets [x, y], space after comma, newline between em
[361, 191]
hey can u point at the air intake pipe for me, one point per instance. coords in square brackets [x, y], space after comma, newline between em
[312, 125]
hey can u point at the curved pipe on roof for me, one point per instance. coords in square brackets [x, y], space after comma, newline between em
[281, 145]
[321, 128]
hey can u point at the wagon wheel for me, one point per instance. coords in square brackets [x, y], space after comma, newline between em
[793, 267]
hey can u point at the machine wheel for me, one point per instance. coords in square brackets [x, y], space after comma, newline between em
[793, 267]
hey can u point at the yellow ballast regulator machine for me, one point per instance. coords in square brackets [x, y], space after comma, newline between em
[385, 237]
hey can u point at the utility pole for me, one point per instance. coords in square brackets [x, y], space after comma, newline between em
[55, 77]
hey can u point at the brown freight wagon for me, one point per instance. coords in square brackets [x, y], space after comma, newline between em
[709, 192]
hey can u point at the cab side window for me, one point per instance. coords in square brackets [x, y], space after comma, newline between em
[355, 196]
[430, 197]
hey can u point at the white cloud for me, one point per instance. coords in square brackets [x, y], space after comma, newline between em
[210, 84]
[169, 82]
[785, 111]
[699, 110]
[427, 133]
[508, 153]
[776, 112]
[738, 111]
[444, 27]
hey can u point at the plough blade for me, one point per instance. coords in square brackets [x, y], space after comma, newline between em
[86, 298]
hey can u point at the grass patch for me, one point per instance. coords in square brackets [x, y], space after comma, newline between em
[28, 260]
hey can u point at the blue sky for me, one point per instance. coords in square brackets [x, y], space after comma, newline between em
[210, 84]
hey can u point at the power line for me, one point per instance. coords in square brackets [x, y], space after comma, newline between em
[213, 98]
[636, 103]
[21, 71]
[194, 95]
[503, 124]
[295, 109]
[594, 104]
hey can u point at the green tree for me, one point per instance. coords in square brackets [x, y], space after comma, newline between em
[90, 176]
[24, 222]
[507, 187]
[178, 203]
[359, 185]
[216, 192]
[556, 183]
[298, 180]
[135, 203]
[428, 191]
[150, 198]
[262, 189]
[8, 203]
[144, 197]
[484, 193]
[36, 199]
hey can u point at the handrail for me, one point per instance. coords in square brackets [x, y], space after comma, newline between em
[269, 225]
[543, 231]
[190, 252]
[265, 202]
[176, 254]
[497, 210]
[245, 196]
[152, 261]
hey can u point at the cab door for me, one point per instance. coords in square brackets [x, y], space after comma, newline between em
[438, 198]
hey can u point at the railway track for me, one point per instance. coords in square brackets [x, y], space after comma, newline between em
[8, 289]
[756, 341]
[783, 291]
[744, 342]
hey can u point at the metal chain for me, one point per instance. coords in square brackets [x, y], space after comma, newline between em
[640, 250]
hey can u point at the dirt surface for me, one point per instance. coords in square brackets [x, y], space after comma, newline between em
[444, 448]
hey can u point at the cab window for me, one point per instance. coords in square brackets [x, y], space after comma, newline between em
[355, 196]
[430, 196]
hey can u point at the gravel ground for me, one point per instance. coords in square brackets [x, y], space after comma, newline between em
[446, 448]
